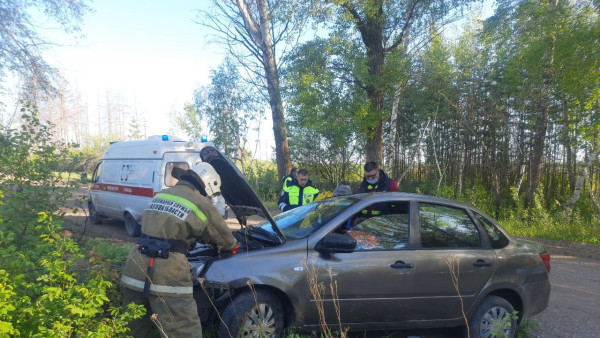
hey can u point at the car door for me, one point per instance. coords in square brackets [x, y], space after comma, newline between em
[373, 285]
[96, 189]
[452, 265]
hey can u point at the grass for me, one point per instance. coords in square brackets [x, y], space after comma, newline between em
[115, 251]
[524, 330]
[572, 229]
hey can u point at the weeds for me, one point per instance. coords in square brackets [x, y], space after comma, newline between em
[317, 289]
[454, 267]
[525, 328]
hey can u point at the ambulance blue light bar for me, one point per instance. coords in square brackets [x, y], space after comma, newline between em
[203, 139]
[165, 137]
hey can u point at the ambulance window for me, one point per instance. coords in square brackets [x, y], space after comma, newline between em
[97, 172]
[170, 180]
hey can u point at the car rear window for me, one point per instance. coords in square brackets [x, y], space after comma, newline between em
[447, 227]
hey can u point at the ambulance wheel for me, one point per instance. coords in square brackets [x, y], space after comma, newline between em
[94, 217]
[132, 228]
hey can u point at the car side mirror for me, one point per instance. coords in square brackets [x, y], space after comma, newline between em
[336, 243]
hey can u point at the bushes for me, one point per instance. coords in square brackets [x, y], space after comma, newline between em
[40, 292]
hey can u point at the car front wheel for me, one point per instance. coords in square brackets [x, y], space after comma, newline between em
[258, 314]
[132, 227]
[493, 318]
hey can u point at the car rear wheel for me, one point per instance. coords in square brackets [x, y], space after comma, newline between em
[94, 217]
[251, 314]
[493, 318]
[132, 227]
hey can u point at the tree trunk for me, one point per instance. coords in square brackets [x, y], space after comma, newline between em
[579, 184]
[375, 56]
[520, 179]
[282, 149]
[541, 123]
[260, 33]
[566, 138]
[392, 155]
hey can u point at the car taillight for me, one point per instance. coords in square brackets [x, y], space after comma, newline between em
[546, 258]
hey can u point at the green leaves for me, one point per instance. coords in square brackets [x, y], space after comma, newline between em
[41, 294]
[228, 105]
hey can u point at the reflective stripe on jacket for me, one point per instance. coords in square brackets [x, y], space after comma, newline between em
[302, 196]
[297, 196]
[179, 213]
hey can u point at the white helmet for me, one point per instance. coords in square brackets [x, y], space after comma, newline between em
[208, 176]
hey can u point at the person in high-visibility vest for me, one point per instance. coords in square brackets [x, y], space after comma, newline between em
[300, 193]
[288, 180]
[375, 180]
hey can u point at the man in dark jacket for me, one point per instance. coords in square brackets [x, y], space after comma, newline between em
[301, 192]
[157, 273]
[375, 180]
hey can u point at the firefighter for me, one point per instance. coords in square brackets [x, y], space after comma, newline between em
[157, 273]
[300, 193]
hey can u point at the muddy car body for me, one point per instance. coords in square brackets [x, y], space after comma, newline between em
[391, 271]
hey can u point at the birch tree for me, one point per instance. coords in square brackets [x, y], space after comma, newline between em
[21, 46]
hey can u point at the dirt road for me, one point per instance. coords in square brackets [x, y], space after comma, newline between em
[574, 309]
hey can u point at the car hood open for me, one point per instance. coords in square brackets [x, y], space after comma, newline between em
[238, 194]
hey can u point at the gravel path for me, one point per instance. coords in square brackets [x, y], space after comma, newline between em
[574, 309]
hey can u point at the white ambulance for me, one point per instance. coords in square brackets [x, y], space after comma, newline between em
[130, 173]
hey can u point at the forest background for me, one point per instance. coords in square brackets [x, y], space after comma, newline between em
[505, 116]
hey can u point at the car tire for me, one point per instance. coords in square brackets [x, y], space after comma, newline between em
[94, 217]
[250, 316]
[488, 319]
[132, 228]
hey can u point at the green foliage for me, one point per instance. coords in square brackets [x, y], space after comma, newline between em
[525, 329]
[325, 114]
[189, 122]
[557, 226]
[22, 46]
[114, 251]
[86, 157]
[262, 177]
[227, 105]
[40, 292]
[30, 162]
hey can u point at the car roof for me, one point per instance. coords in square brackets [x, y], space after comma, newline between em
[414, 197]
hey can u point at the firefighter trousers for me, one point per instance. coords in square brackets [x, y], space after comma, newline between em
[175, 316]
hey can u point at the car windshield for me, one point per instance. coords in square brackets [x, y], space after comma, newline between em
[303, 221]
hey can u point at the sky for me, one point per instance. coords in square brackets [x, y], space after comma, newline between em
[151, 52]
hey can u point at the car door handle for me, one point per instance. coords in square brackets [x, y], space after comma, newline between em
[481, 263]
[402, 265]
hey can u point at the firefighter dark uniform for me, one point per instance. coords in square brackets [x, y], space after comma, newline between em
[296, 196]
[179, 215]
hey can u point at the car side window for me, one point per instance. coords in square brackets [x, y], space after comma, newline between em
[447, 227]
[497, 238]
[169, 179]
[386, 232]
